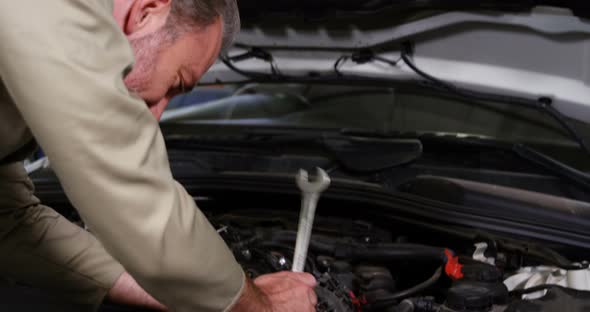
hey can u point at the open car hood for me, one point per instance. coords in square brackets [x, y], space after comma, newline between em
[519, 48]
[254, 10]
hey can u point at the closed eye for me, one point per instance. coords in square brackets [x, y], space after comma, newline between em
[182, 87]
[178, 87]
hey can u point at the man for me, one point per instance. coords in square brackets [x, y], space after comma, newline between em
[66, 77]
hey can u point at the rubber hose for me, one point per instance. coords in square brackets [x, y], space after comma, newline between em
[357, 251]
[386, 300]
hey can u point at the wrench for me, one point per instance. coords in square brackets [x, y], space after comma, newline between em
[310, 192]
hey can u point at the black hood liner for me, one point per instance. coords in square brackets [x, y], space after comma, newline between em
[254, 10]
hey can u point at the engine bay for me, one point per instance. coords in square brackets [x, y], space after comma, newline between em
[361, 266]
[368, 256]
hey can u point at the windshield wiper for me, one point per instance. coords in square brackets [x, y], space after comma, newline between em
[525, 152]
[368, 150]
[552, 165]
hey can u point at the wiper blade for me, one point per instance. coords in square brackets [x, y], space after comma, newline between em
[528, 153]
[552, 165]
[364, 151]
[525, 152]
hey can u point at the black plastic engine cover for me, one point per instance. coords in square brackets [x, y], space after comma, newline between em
[475, 296]
[479, 290]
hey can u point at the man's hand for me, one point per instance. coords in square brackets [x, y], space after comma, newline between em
[283, 291]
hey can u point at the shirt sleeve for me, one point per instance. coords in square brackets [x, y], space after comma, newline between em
[63, 63]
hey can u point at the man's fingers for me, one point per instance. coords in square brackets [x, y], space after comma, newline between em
[305, 278]
[313, 298]
[288, 291]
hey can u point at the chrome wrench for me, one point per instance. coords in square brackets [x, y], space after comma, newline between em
[310, 192]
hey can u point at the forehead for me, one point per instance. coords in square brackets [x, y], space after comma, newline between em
[199, 49]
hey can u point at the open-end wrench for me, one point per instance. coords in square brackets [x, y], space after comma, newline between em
[310, 192]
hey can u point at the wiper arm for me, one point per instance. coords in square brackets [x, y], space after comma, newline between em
[527, 153]
[355, 148]
[367, 150]
[552, 165]
[542, 104]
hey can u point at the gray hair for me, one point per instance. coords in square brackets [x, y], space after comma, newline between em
[188, 14]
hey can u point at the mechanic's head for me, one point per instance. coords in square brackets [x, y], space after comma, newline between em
[175, 42]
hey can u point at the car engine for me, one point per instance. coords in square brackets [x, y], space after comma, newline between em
[376, 261]
[362, 267]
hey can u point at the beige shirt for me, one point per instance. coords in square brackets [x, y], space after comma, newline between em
[61, 65]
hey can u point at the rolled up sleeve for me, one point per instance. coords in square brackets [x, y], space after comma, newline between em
[63, 63]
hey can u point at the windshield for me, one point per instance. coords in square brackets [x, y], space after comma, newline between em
[380, 109]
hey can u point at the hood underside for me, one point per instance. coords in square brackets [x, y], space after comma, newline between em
[510, 48]
[253, 10]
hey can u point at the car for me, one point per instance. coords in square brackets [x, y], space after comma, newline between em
[455, 134]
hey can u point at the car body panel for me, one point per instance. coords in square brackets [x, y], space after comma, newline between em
[542, 53]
